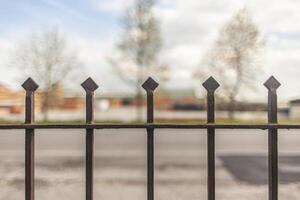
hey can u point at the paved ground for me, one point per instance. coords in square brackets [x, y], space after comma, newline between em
[180, 160]
[253, 169]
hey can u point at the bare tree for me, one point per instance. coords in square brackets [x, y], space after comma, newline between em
[234, 58]
[47, 58]
[139, 48]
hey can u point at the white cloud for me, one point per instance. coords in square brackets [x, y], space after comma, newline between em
[7, 76]
[190, 27]
[112, 6]
[68, 10]
[95, 53]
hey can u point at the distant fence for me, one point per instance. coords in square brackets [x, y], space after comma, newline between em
[150, 85]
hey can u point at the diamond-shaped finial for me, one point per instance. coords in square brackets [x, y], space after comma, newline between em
[89, 85]
[211, 84]
[150, 84]
[272, 83]
[30, 85]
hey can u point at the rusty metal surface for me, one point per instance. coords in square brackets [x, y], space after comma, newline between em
[30, 86]
[272, 85]
[210, 85]
[89, 86]
[150, 85]
[149, 125]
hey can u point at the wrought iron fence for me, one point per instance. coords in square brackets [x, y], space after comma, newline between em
[150, 85]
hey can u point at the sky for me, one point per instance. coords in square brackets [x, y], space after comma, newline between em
[189, 28]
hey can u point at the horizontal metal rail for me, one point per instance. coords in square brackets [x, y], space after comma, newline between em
[149, 125]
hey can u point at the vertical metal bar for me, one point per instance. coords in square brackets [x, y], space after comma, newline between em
[150, 148]
[272, 84]
[210, 85]
[149, 85]
[90, 86]
[30, 86]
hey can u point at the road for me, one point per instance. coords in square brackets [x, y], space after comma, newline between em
[179, 148]
[166, 141]
[180, 164]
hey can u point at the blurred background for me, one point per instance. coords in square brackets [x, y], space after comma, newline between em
[119, 43]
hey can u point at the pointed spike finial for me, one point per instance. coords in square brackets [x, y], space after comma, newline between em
[210, 84]
[272, 83]
[89, 85]
[150, 84]
[30, 85]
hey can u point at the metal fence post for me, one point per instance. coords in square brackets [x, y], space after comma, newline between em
[30, 86]
[272, 84]
[210, 85]
[150, 85]
[89, 86]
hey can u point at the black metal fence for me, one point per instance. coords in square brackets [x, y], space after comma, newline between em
[150, 85]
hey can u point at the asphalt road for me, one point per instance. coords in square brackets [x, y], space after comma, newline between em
[241, 153]
[134, 141]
